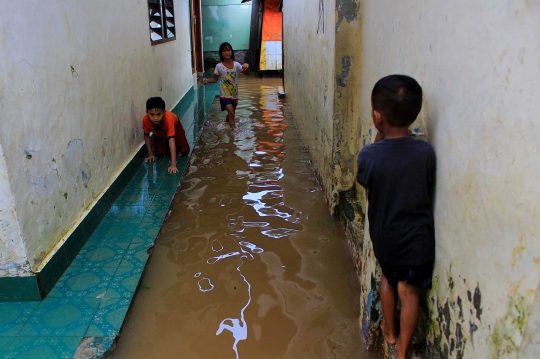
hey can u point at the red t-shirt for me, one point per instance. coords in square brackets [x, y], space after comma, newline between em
[167, 130]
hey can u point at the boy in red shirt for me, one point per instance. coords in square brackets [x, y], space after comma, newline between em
[169, 135]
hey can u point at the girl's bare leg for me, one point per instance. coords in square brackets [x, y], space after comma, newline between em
[408, 296]
[230, 115]
[389, 305]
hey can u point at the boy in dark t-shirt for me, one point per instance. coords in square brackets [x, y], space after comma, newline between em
[399, 173]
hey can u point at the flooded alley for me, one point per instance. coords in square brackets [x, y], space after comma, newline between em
[249, 262]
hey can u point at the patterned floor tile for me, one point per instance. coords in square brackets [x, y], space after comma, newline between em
[147, 185]
[125, 280]
[108, 252]
[13, 316]
[148, 233]
[109, 317]
[125, 214]
[134, 198]
[43, 348]
[122, 233]
[100, 232]
[137, 255]
[84, 281]
[61, 317]
[162, 199]
[5, 343]
[156, 212]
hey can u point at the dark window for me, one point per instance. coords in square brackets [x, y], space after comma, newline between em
[161, 19]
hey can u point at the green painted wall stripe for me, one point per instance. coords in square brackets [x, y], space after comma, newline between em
[19, 289]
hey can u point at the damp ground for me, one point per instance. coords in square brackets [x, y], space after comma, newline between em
[249, 262]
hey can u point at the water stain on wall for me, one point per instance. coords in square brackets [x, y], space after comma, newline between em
[346, 9]
[346, 65]
[48, 183]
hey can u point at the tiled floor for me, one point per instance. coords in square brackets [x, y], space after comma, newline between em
[91, 299]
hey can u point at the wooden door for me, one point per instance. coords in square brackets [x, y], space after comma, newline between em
[196, 38]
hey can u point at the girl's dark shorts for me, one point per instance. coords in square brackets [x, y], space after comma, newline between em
[417, 275]
[227, 102]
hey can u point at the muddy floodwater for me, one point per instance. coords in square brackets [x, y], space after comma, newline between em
[249, 263]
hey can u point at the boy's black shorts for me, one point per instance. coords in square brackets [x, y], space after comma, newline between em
[417, 275]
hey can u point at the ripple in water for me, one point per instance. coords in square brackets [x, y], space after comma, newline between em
[279, 232]
[205, 285]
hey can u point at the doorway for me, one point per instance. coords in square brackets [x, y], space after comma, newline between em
[196, 38]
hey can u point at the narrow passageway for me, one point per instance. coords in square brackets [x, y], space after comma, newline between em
[249, 264]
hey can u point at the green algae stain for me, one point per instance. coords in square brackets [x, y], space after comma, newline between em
[508, 330]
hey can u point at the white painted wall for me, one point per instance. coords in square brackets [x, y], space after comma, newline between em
[478, 63]
[13, 259]
[75, 79]
[309, 76]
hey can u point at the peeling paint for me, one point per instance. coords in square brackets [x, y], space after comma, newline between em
[346, 65]
[346, 9]
[76, 168]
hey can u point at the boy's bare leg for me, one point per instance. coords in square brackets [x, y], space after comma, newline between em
[389, 305]
[230, 115]
[408, 295]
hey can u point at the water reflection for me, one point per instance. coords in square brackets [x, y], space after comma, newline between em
[258, 143]
[249, 264]
[238, 327]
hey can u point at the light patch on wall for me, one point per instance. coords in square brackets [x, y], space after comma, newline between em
[210, 38]
[75, 166]
[213, 10]
[47, 184]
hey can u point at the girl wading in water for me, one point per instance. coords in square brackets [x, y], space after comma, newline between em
[227, 72]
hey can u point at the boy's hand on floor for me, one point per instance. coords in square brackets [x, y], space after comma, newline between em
[204, 81]
[172, 169]
[150, 159]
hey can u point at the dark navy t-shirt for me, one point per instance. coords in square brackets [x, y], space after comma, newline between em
[399, 175]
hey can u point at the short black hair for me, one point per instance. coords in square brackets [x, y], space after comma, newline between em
[223, 47]
[398, 98]
[155, 102]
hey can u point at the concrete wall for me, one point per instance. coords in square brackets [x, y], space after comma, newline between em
[13, 259]
[477, 63]
[75, 78]
[309, 50]
[225, 21]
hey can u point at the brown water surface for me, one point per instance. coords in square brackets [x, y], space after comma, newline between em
[249, 263]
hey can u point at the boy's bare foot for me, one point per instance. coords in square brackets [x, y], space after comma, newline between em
[401, 353]
[389, 335]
